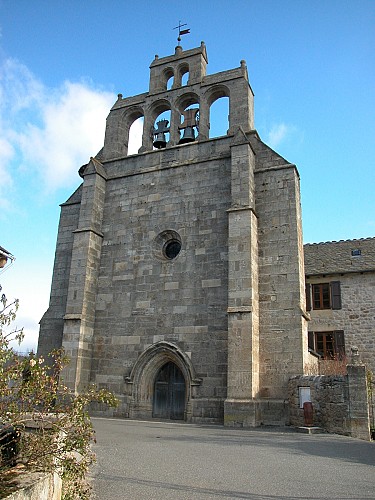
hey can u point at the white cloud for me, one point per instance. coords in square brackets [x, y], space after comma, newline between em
[45, 136]
[6, 181]
[6, 154]
[72, 130]
[278, 134]
[49, 131]
[19, 88]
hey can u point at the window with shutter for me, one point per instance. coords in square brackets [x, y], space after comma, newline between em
[330, 345]
[325, 344]
[323, 296]
[311, 341]
[308, 296]
[339, 343]
[336, 294]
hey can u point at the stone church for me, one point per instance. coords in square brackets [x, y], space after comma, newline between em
[179, 281]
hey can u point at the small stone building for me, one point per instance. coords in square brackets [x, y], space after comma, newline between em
[340, 291]
[179, 275]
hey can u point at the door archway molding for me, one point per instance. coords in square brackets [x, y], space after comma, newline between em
[142, 377]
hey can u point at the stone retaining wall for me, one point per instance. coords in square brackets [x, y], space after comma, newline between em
[38, 486]
[340, 403]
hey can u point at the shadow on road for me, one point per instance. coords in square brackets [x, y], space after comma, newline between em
[321, 445]
[198, 492]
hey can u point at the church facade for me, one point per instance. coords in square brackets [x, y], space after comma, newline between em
[179, 271]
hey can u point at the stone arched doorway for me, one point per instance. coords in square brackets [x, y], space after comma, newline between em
[162, 383]
[169, 393]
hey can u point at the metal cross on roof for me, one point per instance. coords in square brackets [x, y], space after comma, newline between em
[180, 31]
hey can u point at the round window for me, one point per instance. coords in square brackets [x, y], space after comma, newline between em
[167, 245]
[172, 249]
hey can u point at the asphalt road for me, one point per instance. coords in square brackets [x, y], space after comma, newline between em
[160, 460]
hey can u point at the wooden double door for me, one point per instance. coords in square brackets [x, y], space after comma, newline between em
[169, 393]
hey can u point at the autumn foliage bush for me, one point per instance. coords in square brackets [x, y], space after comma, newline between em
[33, 396]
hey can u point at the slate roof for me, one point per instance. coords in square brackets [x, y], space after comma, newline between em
[342, 256]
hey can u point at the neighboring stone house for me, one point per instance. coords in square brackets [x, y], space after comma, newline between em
[340, 297]
[179, 277]
[4, 257]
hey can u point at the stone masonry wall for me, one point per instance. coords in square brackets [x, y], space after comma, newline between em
[37, 486]
[144, 298]
[329, 397]
[340, 403]
[283, 333]
[52, 323]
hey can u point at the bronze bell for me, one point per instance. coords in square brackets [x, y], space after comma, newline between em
[160, 141]
[190, 122]
[189, 136]
[159, 134]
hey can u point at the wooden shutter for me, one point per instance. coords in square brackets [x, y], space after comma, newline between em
[308, 296]
[339, 343]
[336, 295]
[311, 341]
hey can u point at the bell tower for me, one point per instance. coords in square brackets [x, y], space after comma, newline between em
[179, 269]
[189, 104]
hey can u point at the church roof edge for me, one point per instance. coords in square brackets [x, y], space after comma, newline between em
[181, 54]
[74, 198]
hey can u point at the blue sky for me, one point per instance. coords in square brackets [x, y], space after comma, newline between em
[62, 63]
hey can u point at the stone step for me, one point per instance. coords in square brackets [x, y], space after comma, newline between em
[310, 430]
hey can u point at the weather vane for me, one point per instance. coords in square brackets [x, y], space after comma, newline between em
[180, 31]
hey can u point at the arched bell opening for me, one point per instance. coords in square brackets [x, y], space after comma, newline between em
[169, 80]
[185, 78]
[189, 124]
[169, 401]
[161, 126]
[125, 132]
[135, 136]
[182, 75]
[219, 111]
